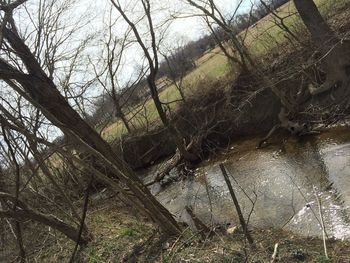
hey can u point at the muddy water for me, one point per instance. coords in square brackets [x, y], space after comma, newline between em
[276, 188]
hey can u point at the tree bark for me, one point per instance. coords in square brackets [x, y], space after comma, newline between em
[320, 31]
[24, 212]
[335, 53]
[44, 95]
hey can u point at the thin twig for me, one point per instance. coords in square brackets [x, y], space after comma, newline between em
[82, 223]
[238, 208]
[324, 234]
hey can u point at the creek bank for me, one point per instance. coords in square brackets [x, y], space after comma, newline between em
[208, 119]
[117, 234]
[227, 109]
[283, 183]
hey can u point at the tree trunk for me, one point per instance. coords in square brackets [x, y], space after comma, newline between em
[119, 111]
[121, 115]
[335, 53]
[19, 238]
[44, 95]
[155, 96]
[320, 31]
[173, 132]
[237, 206]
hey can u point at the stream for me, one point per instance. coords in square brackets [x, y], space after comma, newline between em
[275, 188]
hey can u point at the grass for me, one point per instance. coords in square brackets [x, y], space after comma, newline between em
[117, 233]
[127, 232]
[215, 67]
[266, 35]
[260, 40]
[114, 233]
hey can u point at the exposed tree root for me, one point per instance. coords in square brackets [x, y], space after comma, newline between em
[294, 128]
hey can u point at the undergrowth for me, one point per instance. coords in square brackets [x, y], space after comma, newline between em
[119, 236]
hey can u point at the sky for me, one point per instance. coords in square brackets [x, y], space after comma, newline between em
[185, 28]
[194, 27]
[94, 12]
[190, 27]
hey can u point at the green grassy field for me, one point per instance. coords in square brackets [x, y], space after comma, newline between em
[267, 35]
[259, 39]
[215, 67]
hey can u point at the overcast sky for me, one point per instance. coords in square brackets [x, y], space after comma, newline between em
[194, 27]
[190, 28]
[185, 29]
[95, 12]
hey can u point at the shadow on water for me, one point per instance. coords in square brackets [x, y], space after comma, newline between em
[282, 185]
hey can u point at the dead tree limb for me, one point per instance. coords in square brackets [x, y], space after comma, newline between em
[235, 201]
[200, 226]
[275, 254]
[170, 164]
[324, 233]
[293, 127]
[82, 223]
[24, 212]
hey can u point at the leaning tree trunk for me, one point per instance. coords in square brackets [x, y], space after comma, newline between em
[48, 220]
[43, 94]
[173, 131]
[335, 52]
[319, 29]
[24, 213]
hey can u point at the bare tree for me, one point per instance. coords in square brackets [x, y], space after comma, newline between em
[335, 52]
[21, 162]
[151, 55]
[14, 208]
[178, 64]
[212, 14]
[111, 64]
[22, 72]
[50, 25]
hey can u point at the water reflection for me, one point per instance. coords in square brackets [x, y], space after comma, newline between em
[282, 186]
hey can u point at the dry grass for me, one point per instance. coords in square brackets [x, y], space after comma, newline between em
[116, 233]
